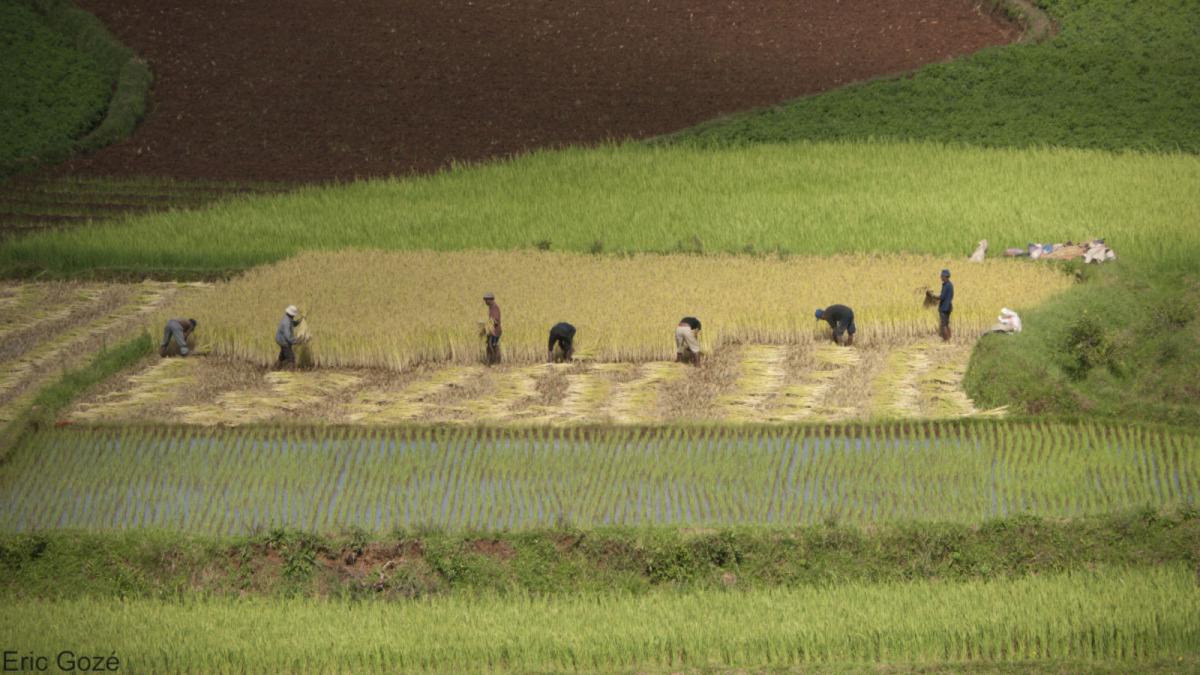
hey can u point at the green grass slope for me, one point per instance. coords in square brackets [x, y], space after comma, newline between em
[1120, 74]
[1125, 345]
[50, 92]
[791, 198]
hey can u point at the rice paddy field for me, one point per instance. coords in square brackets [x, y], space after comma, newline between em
[237, 481]
[796, 198]
[49, 328]
[397, 309]
[1079, 620]
[396, 505]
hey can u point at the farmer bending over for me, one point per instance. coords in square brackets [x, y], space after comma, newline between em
[841, 320]
[562, 343]
[687, 344]
[285, 337]
[181, 330]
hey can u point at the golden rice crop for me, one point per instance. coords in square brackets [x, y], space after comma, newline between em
[395, 309]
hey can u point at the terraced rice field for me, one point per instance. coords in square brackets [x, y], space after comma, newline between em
[745, 383]
[388, 309]
[48, 328]
[236, 481]
[32, 203]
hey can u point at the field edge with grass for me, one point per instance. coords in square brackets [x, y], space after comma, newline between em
[410, 564]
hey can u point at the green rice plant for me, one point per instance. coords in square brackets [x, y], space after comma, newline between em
[1124, 618]
[214, 480]
[812, 199]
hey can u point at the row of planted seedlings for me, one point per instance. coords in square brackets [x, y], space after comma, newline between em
[234, 480]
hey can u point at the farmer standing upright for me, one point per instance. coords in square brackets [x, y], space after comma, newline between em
[945, 305]
[493, 328]
[285, 337]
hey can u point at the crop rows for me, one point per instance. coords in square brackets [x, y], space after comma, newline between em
[70, 324]
[777, 383]
[1129, 617]
[228, 481]
[625, 309]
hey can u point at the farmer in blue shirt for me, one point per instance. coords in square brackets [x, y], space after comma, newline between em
[945, 305]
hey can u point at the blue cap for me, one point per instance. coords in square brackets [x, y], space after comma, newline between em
[945, 273]
[820, 313]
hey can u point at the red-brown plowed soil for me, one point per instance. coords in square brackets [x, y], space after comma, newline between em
[313, 90]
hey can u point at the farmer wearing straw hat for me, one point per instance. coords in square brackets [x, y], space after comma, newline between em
[180, 330]
[285, 337]
[841, 320]
[945, 303]
[493, 329]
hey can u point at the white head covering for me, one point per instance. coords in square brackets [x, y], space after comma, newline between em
[291, 310]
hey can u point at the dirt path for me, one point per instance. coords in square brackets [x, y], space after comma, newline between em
[321, 90]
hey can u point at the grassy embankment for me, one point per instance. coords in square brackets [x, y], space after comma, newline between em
[406, 564]
[66, 84]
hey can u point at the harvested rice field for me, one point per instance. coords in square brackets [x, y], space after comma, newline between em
[739, 383]
[49, 328]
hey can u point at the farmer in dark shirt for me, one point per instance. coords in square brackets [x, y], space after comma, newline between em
[687, 344]
[493, 330]
[945, 305]
[562, 336]
[841, 320]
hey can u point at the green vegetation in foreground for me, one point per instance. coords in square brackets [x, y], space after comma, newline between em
[797, 198]
[59, 565]
[1124, 345]
[50, 92]
[55, 397]
[1125, 615]
[227, 481]
[1120, 74]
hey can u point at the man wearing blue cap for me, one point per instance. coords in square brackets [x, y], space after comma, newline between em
[841, 320]
[945, 305]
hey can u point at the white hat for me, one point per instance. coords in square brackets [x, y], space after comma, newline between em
[291, 310]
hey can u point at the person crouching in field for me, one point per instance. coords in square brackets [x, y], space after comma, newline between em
[687, 342]
[841, 320]
[561, 347]
[180, 330]
[285, 337]
[493, 330]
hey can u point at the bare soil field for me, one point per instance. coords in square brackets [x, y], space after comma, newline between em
[321, 90]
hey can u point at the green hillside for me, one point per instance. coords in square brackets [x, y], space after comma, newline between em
[1120, 74]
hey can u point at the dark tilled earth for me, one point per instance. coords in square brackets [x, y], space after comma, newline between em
[316, 90]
